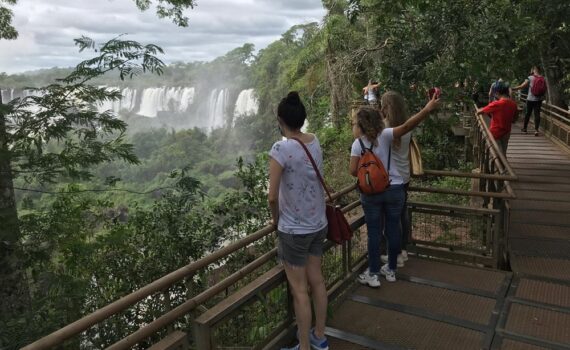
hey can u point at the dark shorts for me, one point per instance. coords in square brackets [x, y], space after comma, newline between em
[294, 249]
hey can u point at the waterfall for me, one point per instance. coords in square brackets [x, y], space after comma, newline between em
[174, 99]
[174, 106]
[9, 95]
[5, 96]
[217, 102]
[128, 100]
[186, 99]
[246, 104]
[149, 102]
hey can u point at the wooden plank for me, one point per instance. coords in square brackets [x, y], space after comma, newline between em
[446, 254]
[241, 296]
[176, 340]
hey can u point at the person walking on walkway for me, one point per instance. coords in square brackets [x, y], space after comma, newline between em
[493, 90]
[503, 112]
[387, 204]
[297, 202]
[537, 89]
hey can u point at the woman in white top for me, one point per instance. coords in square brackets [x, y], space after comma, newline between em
[387, 204]
[395, 113]
[297, 202]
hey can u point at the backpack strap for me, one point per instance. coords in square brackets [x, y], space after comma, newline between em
[389, 156]
[314, 167]
[370, 149]
[363, 148]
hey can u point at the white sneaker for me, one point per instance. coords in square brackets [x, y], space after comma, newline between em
[390, 274]
[399, 260]
[370, 280]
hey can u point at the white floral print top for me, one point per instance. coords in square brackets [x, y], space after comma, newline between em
[301, 195]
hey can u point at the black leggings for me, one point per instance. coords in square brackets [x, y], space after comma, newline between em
[530, 106]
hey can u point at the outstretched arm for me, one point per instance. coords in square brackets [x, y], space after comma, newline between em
[414, 121]
[521, 86]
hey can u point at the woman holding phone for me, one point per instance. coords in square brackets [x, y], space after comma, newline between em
[388, 204]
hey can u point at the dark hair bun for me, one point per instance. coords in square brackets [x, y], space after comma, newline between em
[293, 98]
[292, 111]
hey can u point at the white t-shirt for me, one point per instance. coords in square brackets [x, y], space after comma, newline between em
[301, 195]
[401, 157]
[371, 95]
[530, 96]
[382, 150]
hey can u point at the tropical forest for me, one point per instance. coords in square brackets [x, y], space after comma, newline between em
[127, 166]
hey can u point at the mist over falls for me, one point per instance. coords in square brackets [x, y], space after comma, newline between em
[176, 107]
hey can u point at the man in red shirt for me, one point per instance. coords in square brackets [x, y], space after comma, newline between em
[503, 112]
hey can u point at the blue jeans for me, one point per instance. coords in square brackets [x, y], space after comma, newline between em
[405, 219]
[387, 205]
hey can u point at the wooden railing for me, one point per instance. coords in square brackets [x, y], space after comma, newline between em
[555, 123]
[475, 233]
[226, 300]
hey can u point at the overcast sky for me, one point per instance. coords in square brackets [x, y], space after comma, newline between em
[47, 28]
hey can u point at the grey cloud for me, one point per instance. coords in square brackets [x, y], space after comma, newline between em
[47, 28]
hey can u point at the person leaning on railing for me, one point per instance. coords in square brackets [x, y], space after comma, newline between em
[503, 112]
[369, 129]
[297, 203]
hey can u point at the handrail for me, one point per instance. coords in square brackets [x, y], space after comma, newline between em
[566, 119]
[470, 175]
[158, 285]
[556, 123]
[504, 164]
[498, 195]
[189, 305]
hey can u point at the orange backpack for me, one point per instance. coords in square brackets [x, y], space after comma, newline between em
[372, 176]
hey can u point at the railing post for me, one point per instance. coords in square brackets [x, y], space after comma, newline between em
[347, 262]
[497, 239]
[203, 337]
[410, 220]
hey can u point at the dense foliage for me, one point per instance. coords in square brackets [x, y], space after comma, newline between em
[92, 227]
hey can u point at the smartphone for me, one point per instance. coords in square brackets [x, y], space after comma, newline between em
[434, 91]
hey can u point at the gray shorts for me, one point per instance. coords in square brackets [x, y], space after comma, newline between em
[294, 249]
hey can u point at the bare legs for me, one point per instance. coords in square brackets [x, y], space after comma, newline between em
[300, 278]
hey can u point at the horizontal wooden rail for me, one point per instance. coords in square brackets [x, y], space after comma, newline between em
[453, 208]
[100, 315]
[498, 195]
[160, 284]
[470, 175]
[189, 305]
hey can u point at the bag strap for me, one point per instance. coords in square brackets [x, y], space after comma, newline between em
[389, 157]
[314, 167]
[363, 148]
[370, 149]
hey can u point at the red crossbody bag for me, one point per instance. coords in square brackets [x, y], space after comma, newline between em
[338, 229]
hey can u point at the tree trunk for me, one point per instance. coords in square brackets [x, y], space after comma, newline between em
[14, 292]
[554, 75]
[334, 90]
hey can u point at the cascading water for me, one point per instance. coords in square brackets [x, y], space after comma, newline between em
[217, 102]
[177, 105]
[186, 99]
[246, 104]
